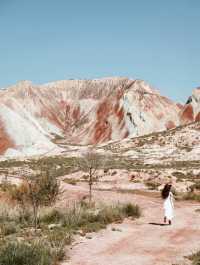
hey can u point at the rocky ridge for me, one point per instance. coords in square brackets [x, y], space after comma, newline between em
[35, 119]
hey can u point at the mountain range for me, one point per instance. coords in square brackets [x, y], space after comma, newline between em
[33, 118]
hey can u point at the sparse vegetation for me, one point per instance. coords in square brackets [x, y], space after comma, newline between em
[70, 181]
[55, 228]
[93, 220]
[57, 240]
[90, 163]
[132, 210]
[195, 258]
[21, 253]
[8, 228]
[191, 196]
[50, 215]
[195, 186]
[36, 191]
[63, 165]
[152, 185]
[179, 175]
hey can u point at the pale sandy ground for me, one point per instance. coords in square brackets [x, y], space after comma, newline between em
[139, 242]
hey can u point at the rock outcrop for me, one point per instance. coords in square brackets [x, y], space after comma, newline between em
[191, 110]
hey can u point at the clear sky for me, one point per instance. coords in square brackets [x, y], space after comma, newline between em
[154, 40]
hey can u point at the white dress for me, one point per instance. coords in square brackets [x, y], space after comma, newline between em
[169, 207]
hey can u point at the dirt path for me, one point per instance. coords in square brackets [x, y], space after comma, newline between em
[139, 242]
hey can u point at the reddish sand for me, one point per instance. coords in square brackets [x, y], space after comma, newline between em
[139, 242]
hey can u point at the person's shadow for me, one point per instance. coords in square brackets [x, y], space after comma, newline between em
[159, 224]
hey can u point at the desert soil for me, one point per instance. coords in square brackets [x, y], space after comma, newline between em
[144, 241]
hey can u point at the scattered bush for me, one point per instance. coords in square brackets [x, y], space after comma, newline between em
[50, 215]
[70, 181]
[152, 185]
[36, 191]
[8, 228]
[84, 203]
[65, 222]
[90, 163]
[195, 258]
[8, 213]
[111, 214]
[93, 220]
[192, 196]
[178, 174]
[195, 186]
[132, 210]
[57, 239]
[72, 217]
[6, 185]
[92, 227]
[25, 254]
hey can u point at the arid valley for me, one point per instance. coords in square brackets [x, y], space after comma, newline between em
[104, 148]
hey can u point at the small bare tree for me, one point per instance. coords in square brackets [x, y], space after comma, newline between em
[36, 191]
[90, 163]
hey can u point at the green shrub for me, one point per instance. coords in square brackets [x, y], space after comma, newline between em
[90, 220]
[57, 239]
[195, 186]
[178, 174]
[59, 235]
[111, 214]
[8, 228]
[85, 204]
[25, 216]
[50, 215]
[8, 213]
[35, 192]
[191, 196]
[19, 216]
[65, 223]
[195, 258]
[93, 221]
[70, 181]
[152, 185]
[23, 254]
[7, 186]
[92, 227]
[132, 210]
[72, 217]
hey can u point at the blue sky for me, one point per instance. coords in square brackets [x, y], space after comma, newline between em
[154, 40]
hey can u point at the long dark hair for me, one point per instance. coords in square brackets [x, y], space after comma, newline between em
[166, 190]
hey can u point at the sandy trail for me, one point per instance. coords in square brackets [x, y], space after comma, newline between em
[139, 242]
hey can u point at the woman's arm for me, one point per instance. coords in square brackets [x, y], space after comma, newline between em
[171, 199]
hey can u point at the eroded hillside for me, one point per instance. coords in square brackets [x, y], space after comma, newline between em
[34, 117]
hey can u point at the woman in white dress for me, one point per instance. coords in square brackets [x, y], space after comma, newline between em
[168, 203]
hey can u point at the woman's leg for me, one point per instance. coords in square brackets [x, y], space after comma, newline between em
[165, 219]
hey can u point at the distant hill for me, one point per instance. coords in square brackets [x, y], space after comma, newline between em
[85, 112]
